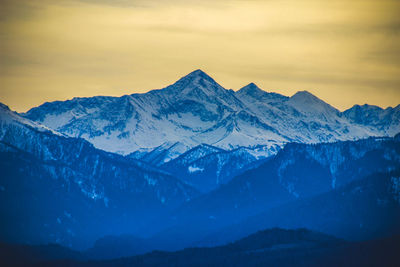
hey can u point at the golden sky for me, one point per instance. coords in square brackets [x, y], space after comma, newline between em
[344, 51]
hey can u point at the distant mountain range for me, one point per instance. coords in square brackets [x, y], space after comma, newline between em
[194, 164]
[273, 247]
[198, 114]
[83, 193]
[197, 110]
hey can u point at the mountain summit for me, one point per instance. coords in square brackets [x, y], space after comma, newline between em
[252, 93]
[198, 74]
[251, 89]
[306, 102]
[199, 86]
[196, 78]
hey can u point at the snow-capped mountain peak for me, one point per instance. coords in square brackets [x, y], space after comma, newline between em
[196, 84]
[306, 102]
[251, 87]
[386, 120]
[199, 74]
[252, 90]
[306, 98]
[195, 110]
[304, 94]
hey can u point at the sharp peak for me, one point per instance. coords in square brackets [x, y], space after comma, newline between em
[195, 76]
[250, 86]
[196, 79]
[198, 73]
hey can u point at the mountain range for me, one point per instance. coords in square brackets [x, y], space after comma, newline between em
[97, 189]
[197, 110]
[195, 164]
[197, 114]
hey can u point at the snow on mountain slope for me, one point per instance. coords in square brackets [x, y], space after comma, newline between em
[385, 120]
[10, 118]
[252, 91]
[196, 153]
[206, 167]
[196, 110]
[302, 117]
[161, 154]
[20, 134]
[307, 103]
